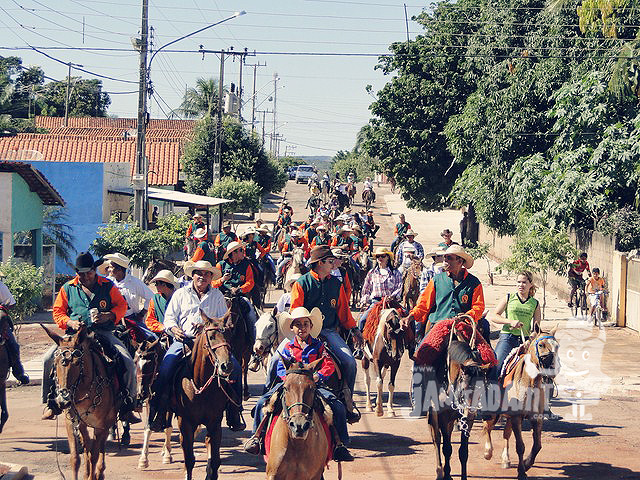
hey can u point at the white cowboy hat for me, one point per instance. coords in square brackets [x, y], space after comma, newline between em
[200, 233]
[321, 227]
[339, 253]
[410, 233]
[288, 283]
[118, 259]
[196, 216]
[285, 319]
[460, 252]
[295, 233]
[264, 230]
[249, 230]
[165, 276]
[207, 267]
[232, 247]
[345, 229]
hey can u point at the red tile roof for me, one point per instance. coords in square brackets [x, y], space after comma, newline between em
[37, 182]
[164, 157]
[106, 122]
[160, 134]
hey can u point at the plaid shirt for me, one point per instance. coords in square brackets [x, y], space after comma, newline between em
[377, 285]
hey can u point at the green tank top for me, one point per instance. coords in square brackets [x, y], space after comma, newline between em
[521, 312]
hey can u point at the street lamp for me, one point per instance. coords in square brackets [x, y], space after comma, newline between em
[140, 183]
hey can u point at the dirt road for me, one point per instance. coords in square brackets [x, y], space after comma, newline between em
[603, 447]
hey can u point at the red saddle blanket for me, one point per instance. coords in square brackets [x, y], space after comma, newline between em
[267, 438]
[434, 343]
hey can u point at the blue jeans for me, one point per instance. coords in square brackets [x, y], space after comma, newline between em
[339, 412]
[341, 350]
[363, 318]
[506, 343]
[14, 354]
[170, 363]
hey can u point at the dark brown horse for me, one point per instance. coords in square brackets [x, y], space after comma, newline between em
[299, 443]
[532, 376]
[201, 393]
[411, 283]
[4, 368]
[455, 374]
[241, 346]
[88, 391]
[384, 353]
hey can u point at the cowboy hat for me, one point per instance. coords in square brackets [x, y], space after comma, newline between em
[347, 210]
[295, 234]
[232, 247]
[248, 231]
[460, 252]
[187, 268]
[320, 252]
[356, 228]
[288, 283]
[446, 231]
[339, 253]
[321, 227]
[435, 251]
[410, 233]
[226, 225]
[263, 229]
[285, 319]
[207, 267]
[200, 233]
[384, 251]
[85, 262]
[118, 259]
[197, 216]
[345, 229]
[165, 276]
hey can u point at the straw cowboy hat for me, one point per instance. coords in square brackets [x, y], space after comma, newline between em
[285, 319]
[384, 251]
[295, 234]
[207, 267]
[321, 227]
[263, 229]
[345, 229]
[356, 228]
[166, 276]
[434, 252]
[410, 233]
[200, 233]
[459, 251]
[232, 247]
[187, 268]
[248, 231]
[118, 259]
[288, 283]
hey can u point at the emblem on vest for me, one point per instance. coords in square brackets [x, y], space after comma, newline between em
[103, 304]
[242, 278]
[333, 302]
[464, 298]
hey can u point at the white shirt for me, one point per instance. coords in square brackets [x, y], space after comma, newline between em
[368, 185]
[134, 292]
[6, 298]
[284, 303]
[184, 308]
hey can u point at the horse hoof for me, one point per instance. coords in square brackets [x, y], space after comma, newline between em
[125, 440]
[506, 465]
[379, 413]
[391, 414]
[143, 463]
[488, 454]
[167, 459]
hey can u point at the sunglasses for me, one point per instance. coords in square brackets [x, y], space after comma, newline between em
[166, 284]
[450, 258]
[200, 273]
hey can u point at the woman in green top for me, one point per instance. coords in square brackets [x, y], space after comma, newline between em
[517, 313]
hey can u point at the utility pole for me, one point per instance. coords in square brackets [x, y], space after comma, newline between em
[275, 96]
[253, 103]
[67, 96]
[243, 56]
[140, 172]
[218, 150]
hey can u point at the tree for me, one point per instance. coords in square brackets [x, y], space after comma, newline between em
[287, 162]
[360, 164]
[201, 100]
[86, 98]
[25, 282]
[246, 194]
[540, 249]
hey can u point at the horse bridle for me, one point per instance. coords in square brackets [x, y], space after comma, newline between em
[544, 360]
[286, 414]
[212, 348]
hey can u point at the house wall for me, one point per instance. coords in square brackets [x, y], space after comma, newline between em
[115, 175]
[6, 197]
[26, 206]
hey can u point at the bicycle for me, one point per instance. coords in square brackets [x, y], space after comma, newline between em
[599, 313]
[578, 299]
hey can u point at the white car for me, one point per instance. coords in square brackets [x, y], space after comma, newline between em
[304, 173]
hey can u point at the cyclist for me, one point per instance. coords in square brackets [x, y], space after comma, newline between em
[594, 285]
[575, 275]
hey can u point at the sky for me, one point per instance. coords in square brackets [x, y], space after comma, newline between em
[321, 101]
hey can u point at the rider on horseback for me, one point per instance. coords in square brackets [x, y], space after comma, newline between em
[401, 227]
[203, 251]
[408, 250]
[370, 225]
[183, 321]
[6, 302]
[197, 222]
[223, 239]
[73, 305]
[251, 248]
[322, 238]
[296, 240]
[264, 239]
[166, 285]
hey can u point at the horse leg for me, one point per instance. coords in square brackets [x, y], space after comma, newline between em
[447, 449]
[87, 443]
[213, 440]
[367, 383]
[125, 439]
[245, 372]
[432, 418]
[101, 443]
[166, 448]
[186, 440]
[74, 456]
[143, 460]
[463, 450]
[487, 427]
[392, 387]
[506, 434]
[4, 412]
[516, 424]
[379, 384]
[536, 428]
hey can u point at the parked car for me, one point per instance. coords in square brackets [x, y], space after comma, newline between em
[304, 173]
[292, 172]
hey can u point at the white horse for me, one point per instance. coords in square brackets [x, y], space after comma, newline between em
[268, 337]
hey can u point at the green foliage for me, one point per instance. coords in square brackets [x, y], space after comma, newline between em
[243, 157]
[478, 250]
[624, 224]
[138, 245]
[200, 100]
[287, 162]
[25, 282]
[360, 164]
[246, 194]
[86, 98]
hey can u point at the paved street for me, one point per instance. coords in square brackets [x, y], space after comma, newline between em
[599, 443]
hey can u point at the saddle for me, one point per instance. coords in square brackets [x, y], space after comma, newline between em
[509, 367]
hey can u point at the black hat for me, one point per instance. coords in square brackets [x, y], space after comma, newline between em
[85, 262]
[321, 252]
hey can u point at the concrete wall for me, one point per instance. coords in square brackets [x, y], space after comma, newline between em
[5, 215]
[26, 206]
[115, 175]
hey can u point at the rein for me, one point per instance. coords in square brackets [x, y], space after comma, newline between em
[286, 408]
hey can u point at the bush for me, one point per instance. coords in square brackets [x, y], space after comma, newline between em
[138, 245]
[25, 282]
[360, 164]
[625, 225]
[246, 194]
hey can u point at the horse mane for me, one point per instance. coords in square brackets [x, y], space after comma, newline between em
[461, 352]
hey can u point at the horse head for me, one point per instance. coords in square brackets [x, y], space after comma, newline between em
[542, 358]
[364, 260]
[298, 396]
[147, 359]
[70, 361]
[298, 256]
[214, 341]
[266, 333]
[393, 333]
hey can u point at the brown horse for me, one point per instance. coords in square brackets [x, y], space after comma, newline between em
[532, 376]
[385, 352]
[241, 346]
[351, 192]
[299, 444]
[411, 283]
[455, 374]
[147, 359]
[201, 393]
[4, 368]
[87, 390]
